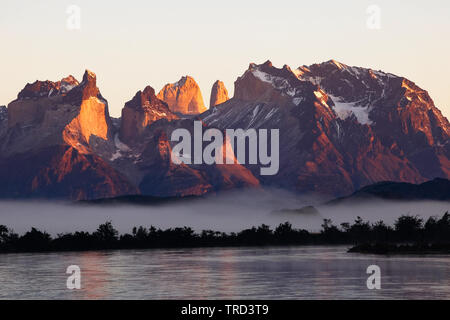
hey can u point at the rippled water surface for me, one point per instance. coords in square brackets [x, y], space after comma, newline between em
[223, 273]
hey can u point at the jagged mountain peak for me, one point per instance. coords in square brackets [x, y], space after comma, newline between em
[70, 79]
[266, 83]
[89, 76]
[144, 98]
[219, 94]
[38, 89]
[253, 65]
[89, 85]
[85, 90]
[339, 69]
[185, 80]
[140, 112]
[68, 83]
[183, 97]
[268, 64]
[149, 92]
[268, 67]
[47, 88]
[335, 64]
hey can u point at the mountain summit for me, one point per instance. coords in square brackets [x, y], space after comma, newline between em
[183, 97]
[219, 94]
[140, 112]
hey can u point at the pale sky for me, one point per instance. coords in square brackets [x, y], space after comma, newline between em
[131, 44]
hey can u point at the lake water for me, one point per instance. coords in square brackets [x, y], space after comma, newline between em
[224, 273]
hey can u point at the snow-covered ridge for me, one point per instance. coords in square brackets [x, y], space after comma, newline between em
[278, 83]
[344, 107]
[305, 73]
[317, 74]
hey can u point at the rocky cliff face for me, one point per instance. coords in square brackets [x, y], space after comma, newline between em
[183, 97]
[56, 136]
[29, 108]
[39, 89]
[58, 112]
[147, 162]
[92, 119]
[60, 172]
[140, 112]
[164, 178]
[219, 94]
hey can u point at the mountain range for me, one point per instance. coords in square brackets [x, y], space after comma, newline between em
[341, 128]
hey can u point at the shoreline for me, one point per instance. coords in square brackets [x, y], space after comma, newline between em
[402, 249]
[409, 235]
[370, 249]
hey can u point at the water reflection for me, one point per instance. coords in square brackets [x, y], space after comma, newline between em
[223, 273]
[95, 274]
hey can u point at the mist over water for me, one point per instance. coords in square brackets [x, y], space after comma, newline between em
[228, 212]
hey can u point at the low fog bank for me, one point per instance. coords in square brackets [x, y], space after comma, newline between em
[229, 212]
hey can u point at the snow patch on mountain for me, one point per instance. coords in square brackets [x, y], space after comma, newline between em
[121, 147]
[66, 87]
[346, 109]
[297, 100]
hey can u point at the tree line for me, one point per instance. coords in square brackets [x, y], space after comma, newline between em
[362, 234]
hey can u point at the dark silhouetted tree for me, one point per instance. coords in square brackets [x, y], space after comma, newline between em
[381, 232]
[106, 233]
[35, 240]
[331, 233]
[408, 227]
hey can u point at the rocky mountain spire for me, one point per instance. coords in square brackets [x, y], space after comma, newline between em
[93, 117]
[140, 112]
[56, 142]
[219, 94]
[183, 97]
